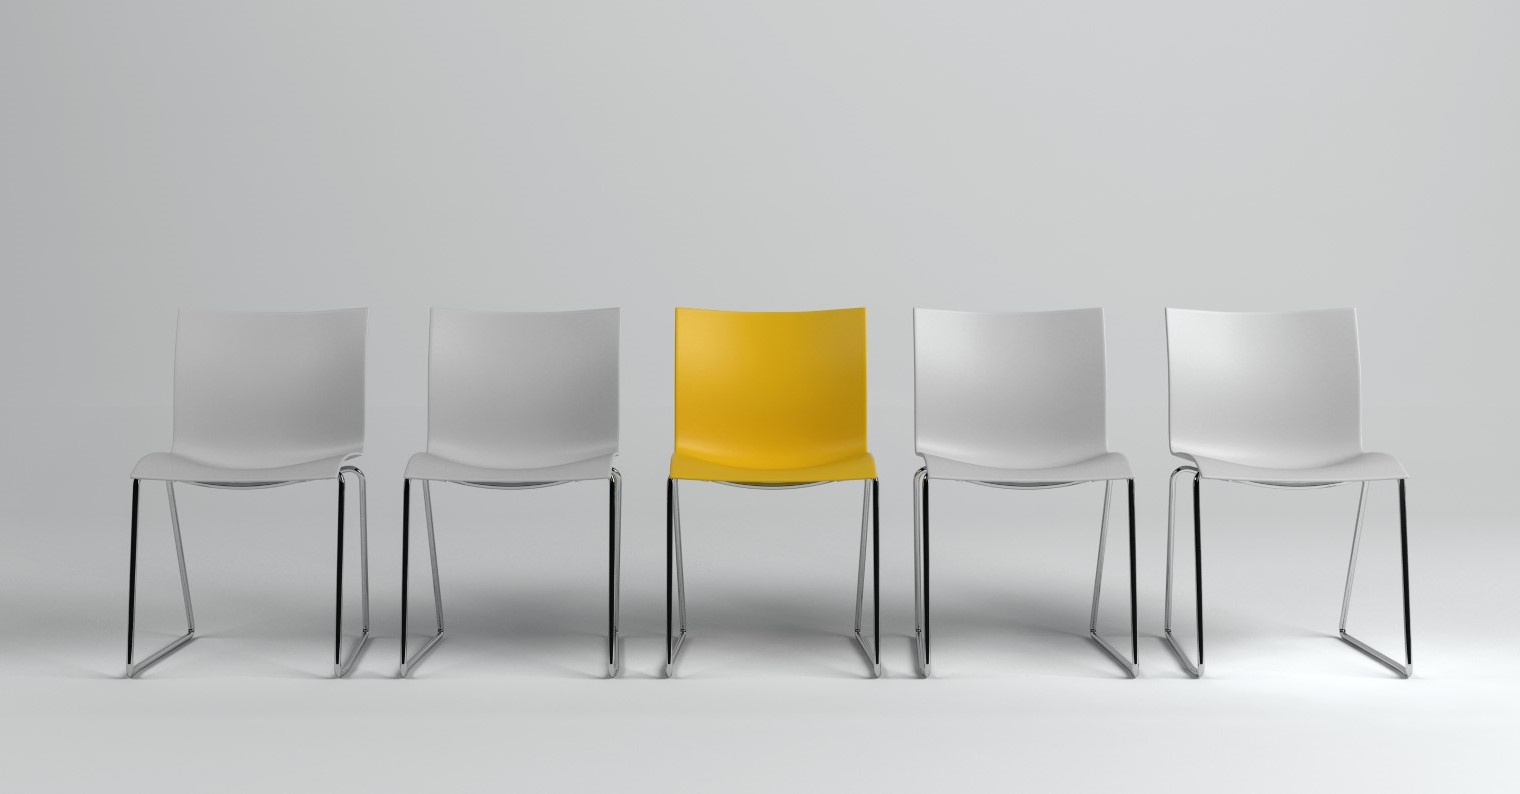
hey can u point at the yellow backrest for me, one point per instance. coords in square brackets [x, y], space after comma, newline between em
[771, 389]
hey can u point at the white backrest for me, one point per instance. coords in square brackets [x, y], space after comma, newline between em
[262, 389]
[1274, 389]
[1018, 390]
[523, 389]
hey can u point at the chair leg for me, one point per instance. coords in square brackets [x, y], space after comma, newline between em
[869, 520]
[876, 571]
[675, 577]
[860, 580]
[1134, 601]
[343, 666]
[680, 567]
[614, 564]
[921, 569]
[408, 664]
[1405, 670]
[1131, 668]
[184, 580]
[1193, 670]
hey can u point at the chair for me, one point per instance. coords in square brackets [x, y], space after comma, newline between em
[262, 400]
[1272, 399]
[1014, 400]
[518, 400]
[770, 400]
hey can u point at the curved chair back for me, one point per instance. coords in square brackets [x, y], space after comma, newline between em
[1015, 390]
[1269, 389]
[771, 390]
[523, 389]
[265, 389]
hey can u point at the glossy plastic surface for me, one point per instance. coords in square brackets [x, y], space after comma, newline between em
[1270, 396]
[516, 397]
[771, 397]
[264, 397]
[1012, 397]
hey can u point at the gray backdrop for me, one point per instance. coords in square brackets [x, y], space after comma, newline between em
[783, 155]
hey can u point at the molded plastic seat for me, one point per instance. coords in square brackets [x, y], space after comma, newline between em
[1270, 397]
[1108, 466]
[1012, 397]
[771, 397]
[520, 397]
[855, 467]
[1366, 467]
[263, 397]
[179, 468]
[427, 466]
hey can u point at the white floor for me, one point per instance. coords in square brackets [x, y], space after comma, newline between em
[771, 693]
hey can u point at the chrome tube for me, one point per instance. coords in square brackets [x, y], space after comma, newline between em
[1193, 670]
[1131, 668]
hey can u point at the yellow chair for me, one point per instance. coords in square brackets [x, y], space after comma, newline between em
[770, 400]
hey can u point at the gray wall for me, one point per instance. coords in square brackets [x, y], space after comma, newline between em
[771, 155]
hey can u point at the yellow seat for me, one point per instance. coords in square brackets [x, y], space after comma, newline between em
[771, 397]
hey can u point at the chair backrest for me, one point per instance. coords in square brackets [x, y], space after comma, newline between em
[1016, 390]
[523, 389]
[1273, 389]
[771, 389]
[263, 389]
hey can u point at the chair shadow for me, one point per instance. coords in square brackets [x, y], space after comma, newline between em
[1039, 634]
[477, 652]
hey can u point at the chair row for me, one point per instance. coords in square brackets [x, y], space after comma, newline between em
[770, 400]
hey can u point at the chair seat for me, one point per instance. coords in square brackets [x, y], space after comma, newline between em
[690, 467]
[178, 468]
[428, 466]
[1357, 468]
[1108, 466]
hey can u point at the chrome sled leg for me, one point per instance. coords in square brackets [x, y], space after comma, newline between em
[343, 666]
[1130, 667]
[133, 670]
[1193, 670]
[869, 518]
[407, 664]
[1407, 668]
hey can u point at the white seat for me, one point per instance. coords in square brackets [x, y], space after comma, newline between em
[1015, 397]
[427, 466]
[1107, 466]
[1363, 467]
[1014, 400]
[180, 468]
[518, 400]
[1272, 398]
[262, 399]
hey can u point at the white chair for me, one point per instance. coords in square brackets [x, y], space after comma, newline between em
[518, 400]
[1014, 400]
[1272, 399]
[262, 400]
